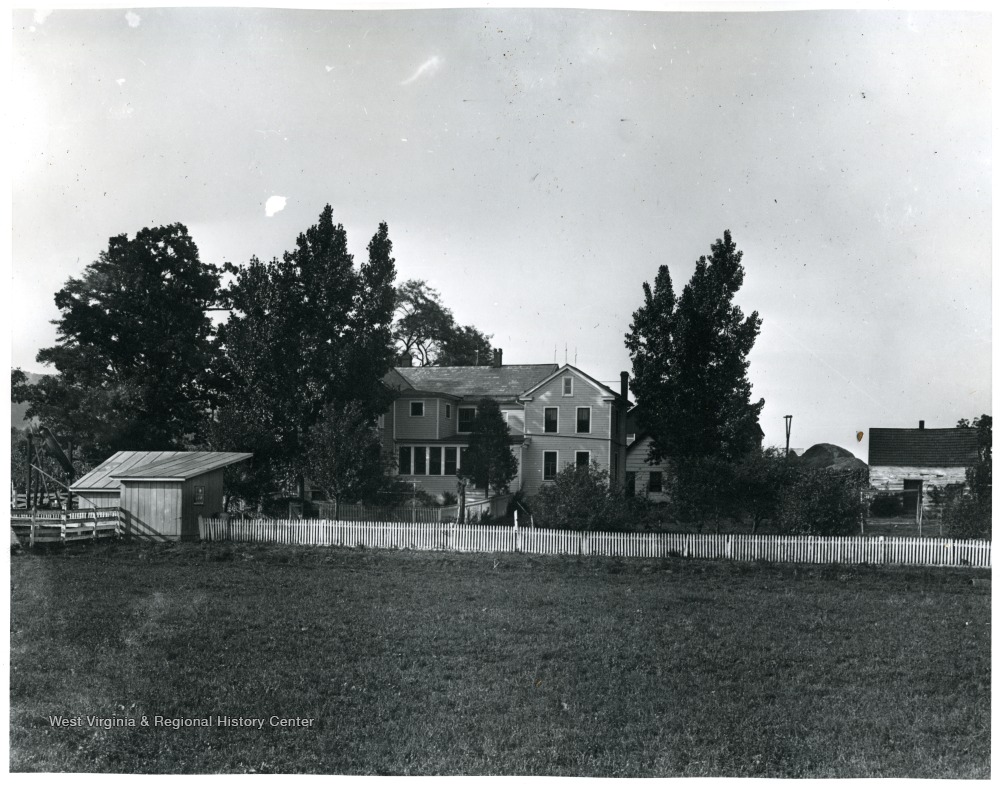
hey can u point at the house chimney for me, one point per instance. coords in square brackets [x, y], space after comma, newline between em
[406, 360]
[498, 357]
[624, 385]
[921, 426]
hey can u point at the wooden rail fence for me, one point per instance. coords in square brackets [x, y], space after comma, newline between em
[927, 551]
[48, 526]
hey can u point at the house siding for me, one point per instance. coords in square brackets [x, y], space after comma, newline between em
[567, 442]
[637, 464]
[412, 428]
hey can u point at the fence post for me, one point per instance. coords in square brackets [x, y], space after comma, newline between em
[96, 519]
[201, 528]
[31, 534]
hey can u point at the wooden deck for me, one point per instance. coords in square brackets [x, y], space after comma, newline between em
[33, 527]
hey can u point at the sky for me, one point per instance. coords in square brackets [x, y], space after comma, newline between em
[537, 166]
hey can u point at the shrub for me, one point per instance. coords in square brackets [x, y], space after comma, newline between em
[968, 517]
[886, 505]
[822, 501]
[581, 498]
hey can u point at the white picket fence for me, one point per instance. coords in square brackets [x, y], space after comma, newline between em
[481, 538]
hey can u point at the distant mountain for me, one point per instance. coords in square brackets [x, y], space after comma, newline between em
[17, 410]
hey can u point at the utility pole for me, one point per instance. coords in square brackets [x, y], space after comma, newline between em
[788, 432]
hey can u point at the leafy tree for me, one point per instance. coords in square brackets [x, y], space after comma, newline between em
[426, 330]
[759, 477]
[703, 491]
[968, 514]
[344, 453]
[689, 361]
[979, 476]
[133, 352]
[490, 463]
[306, 331]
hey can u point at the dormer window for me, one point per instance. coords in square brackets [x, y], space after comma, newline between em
[416, 408]
[567, 387]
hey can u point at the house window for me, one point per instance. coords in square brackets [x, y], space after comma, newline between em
[420, 460]
[466, 416]
[583, 420]
[416, 408]
[447, 410]
[551, 420]
[404, 460]
[655, 482]
[567, 387]
[199, 494]
[451, 461]
[549, 462]
[582, 459]
[435, 461]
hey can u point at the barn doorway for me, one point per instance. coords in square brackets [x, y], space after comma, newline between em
[912, 496]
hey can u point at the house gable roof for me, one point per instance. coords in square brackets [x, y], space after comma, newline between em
[949, 446]
[605, 390]
[500, 383]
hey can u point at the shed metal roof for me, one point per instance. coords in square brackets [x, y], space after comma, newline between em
[949, 446]
[507, 381]
[99, 478]
[183, 465]
[172, 465]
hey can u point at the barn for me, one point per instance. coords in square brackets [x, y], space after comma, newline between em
[161, 494]
[917, 462]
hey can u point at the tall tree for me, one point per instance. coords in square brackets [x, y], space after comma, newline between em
[689, 361]
[304, 332]
[426, 331]
[133, 347]
[490, 463]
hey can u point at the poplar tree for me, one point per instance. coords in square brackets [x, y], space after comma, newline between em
[689, 361]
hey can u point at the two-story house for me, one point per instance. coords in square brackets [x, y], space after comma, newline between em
[558, 416]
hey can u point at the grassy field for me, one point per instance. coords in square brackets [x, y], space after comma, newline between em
[429, 663]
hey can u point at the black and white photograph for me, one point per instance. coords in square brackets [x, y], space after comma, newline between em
[551, 391]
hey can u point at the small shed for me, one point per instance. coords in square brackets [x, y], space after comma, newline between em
[161, 494]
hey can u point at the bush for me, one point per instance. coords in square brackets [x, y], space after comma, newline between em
[968, 517]
[712, 490]
[886, 505]
[822, 501]
[581, 498]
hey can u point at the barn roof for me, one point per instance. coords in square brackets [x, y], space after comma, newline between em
[507, 381]
[170, 465]
[949, 446]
